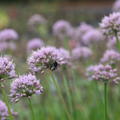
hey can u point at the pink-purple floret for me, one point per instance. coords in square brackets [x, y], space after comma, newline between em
[103, 73]
[25, 86]
[3, 111]
[46, 58]
[7, 68]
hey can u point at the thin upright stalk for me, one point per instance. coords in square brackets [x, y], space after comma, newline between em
[7, 103]
[117, 41]
[55, 82]
[67, 89]
[31, 108]
[105, 100]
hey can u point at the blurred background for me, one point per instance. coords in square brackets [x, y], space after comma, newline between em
[15, 13]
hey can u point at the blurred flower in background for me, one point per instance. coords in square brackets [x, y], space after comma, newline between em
[116, 6]
[34, 44]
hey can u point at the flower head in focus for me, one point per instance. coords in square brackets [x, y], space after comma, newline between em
[7, 68]
[46, 58]
[103, 73]
[25, 86]
[110, 25]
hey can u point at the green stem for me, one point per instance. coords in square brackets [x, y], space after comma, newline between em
[105, 100]
[61, 97]
[117, 41]
[7, 104]
[31, 108]
[68, 94]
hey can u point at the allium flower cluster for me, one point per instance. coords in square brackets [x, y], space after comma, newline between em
[110, 25]
[3, 111]
[8, 34]
[7, 68]
[81, 30]
[64, 56]
[46, 58]
[7, 38]
[81, 53]
[62, 29]
[116, 6]
[92, 36]
[36, 20]
[111, 56]
[34, 44]
[104, 73]
[25, 86]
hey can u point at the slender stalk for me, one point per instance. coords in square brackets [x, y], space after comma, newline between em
[105, 100]
[117, 41]
[68, 94]
[31, 108]
[61, 97]
[7, 103]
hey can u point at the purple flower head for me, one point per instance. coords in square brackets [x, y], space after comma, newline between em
[64, 56]
[25, 86]
[110, 25]
[92, 36]
[81, 30]
[36, 20]
[111, 56]
[3, 111]
[46, 58]
[8, 34]
[116, 6]
[91, 69]
[7, 68]
[81, 53]
[62, 29]
[103, 73]
[35, 44]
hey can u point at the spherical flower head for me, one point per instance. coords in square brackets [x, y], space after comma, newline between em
[81, 30]
[81, 53]
[104, 73]
[7, 68]
[92, 36]
[36, 20]
[62, 29]
[64, 56]
[116, 6]
[91, 70]
[45, 58]
[110, 25]
[111, 57]
[8, 34]
[25, 86]
[3, 111]
[35, 44]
